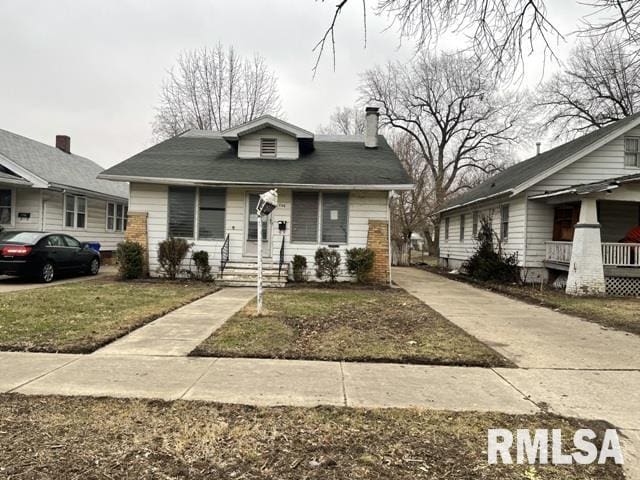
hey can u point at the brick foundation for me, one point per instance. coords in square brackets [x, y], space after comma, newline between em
[137, 232]
[378, 241]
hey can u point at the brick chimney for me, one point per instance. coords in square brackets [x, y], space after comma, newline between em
[371, 127]
[63, 142]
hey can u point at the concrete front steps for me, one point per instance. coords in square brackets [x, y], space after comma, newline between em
[244, 274]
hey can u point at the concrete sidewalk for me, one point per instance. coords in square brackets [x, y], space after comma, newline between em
[180, 331]
[528, 335]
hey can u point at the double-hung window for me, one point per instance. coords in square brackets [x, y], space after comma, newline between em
[191, 206]
[504, 222]
[446, 228]
[6, 207]
[116, 217]
[474, 226]
[462, 222]
[632, 151]
[324, 215]
[75, 211]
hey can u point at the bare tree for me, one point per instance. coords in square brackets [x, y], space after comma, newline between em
[500, 32]
[215, 88]
[457, 114]
[345, 121]
[601, 84]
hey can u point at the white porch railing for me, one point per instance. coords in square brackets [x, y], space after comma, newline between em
[613, 254]
[559, 251]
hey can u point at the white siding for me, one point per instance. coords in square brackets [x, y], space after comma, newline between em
[249, 145]
[539, 230]
[363, 206]
[31, 201]
[455, 249]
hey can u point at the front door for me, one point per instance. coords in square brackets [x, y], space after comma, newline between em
[251, 229]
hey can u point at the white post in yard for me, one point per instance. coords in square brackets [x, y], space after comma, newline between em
[259, 282]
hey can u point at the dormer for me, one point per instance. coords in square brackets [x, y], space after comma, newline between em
[269, 138]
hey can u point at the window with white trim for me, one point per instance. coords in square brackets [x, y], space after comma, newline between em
[324, 215]
[191, 206]
[474, 226]
[75, 211]
[6, 206]
[446, 228]
[268, 147]
[504, 222]
[462, 222]
[632, 151]
[116, 217]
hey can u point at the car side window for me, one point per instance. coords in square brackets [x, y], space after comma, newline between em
[71, 242]
[54, 241]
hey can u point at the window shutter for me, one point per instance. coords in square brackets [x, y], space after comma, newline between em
[212, 213]
[335, 207]
[268, 147]
[304, 217]
[182, 203]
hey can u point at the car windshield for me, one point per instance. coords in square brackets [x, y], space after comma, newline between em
[19, 237]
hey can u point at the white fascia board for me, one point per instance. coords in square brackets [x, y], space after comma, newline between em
[302, 186]
[265, 121]
[36, 181]
[577, 156]
[477, 200]
[88, 193]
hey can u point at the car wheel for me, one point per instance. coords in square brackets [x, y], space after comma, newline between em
[47, 272]
[94, 266]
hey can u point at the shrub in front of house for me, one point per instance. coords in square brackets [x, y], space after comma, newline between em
[360, 263]
[299, 265]
[130, 258]
[327, 264]
[203, 269]
[171, 254]
[489, 263]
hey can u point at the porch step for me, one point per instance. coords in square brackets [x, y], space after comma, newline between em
[244, 274]
[243, 282]
[252, 265]
[252, 273]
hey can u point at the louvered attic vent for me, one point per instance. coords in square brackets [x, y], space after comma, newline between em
[268, 147]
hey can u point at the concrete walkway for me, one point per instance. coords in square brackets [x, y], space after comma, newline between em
[528, 335]
[180, 331]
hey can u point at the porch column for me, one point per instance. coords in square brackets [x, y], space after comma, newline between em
[586, 273]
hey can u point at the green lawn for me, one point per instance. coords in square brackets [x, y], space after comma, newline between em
[80, 317]
[66, 437]
[347, 324]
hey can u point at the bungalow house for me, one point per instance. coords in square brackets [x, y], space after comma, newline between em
[333, 191]
[571, 213]
[45, 188]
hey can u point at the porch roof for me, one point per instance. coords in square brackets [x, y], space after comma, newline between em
[594, 187]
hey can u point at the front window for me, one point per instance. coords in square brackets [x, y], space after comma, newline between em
[211, 212]
[632, 151]
[182, 211]
[316, 214]
[116, 217]
[208, 213]
[75, 211]
[6, 213]
[504, 222]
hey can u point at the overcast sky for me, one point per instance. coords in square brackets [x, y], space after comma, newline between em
[93, 69]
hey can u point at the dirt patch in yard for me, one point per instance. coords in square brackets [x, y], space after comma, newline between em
[352, 324]
[56, 437]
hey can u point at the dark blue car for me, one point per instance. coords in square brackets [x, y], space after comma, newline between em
[45, 256]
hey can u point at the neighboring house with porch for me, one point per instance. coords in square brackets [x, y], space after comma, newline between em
[569, 213]
[334, 191]
[46, 188]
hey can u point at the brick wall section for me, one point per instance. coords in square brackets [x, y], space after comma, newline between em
[378, 241]
[137, 232]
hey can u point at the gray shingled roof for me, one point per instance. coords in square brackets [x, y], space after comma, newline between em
[57, 167]
[521, 172]
[205, 156]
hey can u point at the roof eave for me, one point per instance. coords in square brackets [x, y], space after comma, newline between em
[477, 200]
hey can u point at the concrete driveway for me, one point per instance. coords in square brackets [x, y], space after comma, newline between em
[528, 335]
[15, 284]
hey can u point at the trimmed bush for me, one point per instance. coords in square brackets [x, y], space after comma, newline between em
[299, 265]
[488, 263]
[203, 269]
[327, 264]
[130, 258]
[360, 263]
[171, 253]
